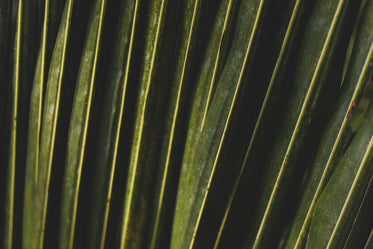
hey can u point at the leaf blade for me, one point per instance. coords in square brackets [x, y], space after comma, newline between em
[79, 126]
[191, 201]
[33, 223]
[345, 181]
[111, 128]
[153, 37]
[338, 131]
[9, 195]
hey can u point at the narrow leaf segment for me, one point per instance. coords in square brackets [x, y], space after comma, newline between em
[79, 126]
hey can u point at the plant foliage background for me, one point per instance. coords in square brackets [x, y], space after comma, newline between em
[186, 124]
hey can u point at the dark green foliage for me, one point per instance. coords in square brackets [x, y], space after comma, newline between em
[186, 124]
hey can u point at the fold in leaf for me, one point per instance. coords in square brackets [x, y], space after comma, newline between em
[333, 143]
[208, 73]
[362, 224]
[42, 133]
[196, 178]
[169, 164]
[291, 31]
[312, 84]
[206, 82]
[23, 64]
[11, 167]
[108, 138]
[33, 217]
[339, 203]
[78, 127]
[144, 141]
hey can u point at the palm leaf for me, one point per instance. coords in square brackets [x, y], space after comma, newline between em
[186, 124]
[105, 159]
[194, 185]
[339, 202]
[32, 216]
[79, 124]
[272, 90]
[9, 196]
[334, 142]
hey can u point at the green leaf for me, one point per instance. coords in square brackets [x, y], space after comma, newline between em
[186, 124]
[22, 66]
[108, 139]
[294, 20]
[339, 203]
[79, 126]
[143, 155]
[196, 177]
[311, 87]
[362, 223]
[206, 80]
[165, 187]
[42, 132]
[338, 131]
[9, 195]
[34, 217]
[369, 243]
